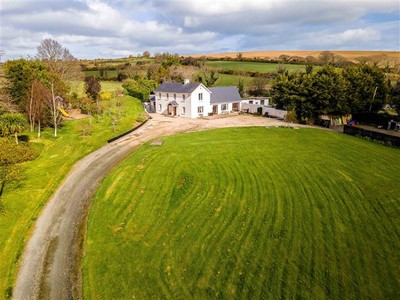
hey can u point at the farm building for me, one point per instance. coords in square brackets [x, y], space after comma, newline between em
[193, 100]
[264, 110]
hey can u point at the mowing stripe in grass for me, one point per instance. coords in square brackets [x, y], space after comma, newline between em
[248, 213]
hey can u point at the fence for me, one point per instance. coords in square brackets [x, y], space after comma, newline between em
[126, 133]
[373, 135]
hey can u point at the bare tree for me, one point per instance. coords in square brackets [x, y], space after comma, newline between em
[39, 94]
[326, 57]
[54, 108]
[58, 59]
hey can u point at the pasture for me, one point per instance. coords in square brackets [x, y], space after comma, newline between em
[248, 213]
[254, 66]
[78, 87]
[232, 80]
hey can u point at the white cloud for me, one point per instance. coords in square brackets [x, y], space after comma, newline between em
[354, 35]
[91, 28]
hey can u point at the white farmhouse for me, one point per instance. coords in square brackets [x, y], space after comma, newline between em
[194, 100]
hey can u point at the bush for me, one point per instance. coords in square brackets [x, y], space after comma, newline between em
[11, 153]
[105, 96]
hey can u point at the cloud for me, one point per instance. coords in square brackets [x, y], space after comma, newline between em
[97, 28]
[356, 35]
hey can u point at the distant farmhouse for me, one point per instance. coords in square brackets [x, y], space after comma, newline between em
[195, 100]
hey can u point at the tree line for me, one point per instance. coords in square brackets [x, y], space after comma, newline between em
[332, 91]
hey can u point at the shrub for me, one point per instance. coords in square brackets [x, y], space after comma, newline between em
[11, 153]
[105, 96]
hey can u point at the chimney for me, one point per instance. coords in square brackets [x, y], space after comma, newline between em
[186, 81]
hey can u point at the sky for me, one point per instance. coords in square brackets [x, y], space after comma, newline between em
[110, 29]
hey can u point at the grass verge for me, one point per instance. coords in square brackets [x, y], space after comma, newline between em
[23, 203]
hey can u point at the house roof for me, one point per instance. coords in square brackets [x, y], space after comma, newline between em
[224, 94]
[176, 87]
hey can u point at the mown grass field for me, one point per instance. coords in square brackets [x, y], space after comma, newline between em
[106, 86]
[248, 213]
[232, 80]
[253, 66]
[21, 203]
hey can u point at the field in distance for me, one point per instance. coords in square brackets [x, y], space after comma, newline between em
[248, 213]
[349, 55]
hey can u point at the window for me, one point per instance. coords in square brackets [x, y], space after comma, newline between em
[159, 107]
[250, 102]
[262, 102]
[167, 96]
[159, 95]
[200, 96]
[183, 110]
[174, 96]
[200, 109]
[224, 106]
[183, 97]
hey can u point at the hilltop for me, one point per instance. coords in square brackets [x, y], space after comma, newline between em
[349, 55]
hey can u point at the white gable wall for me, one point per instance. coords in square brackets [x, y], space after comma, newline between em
[195, 102]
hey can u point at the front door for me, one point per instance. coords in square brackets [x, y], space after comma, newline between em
[215, 109]
[171, 110]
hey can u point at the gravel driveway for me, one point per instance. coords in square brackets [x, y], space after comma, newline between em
[51, 262]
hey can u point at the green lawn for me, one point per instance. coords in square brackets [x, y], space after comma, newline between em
[22, 203]
[106, 86]
[232, 80]
[248, 213]
[253, 66]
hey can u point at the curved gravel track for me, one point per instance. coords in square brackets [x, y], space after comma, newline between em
[50, 267]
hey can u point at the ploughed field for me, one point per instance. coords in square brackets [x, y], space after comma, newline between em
[248, 213]
[349, 55]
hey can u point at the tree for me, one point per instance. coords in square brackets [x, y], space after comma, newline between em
[40, 95]
[12, 124]
[328, 92]
[139, 88]
[395, 95]
[58, 59]
[326, 57]
[241, 87]
[368, 89]
[19, 75]
[146, 54]
[284, 58]
[257, 86]
[93, 88]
